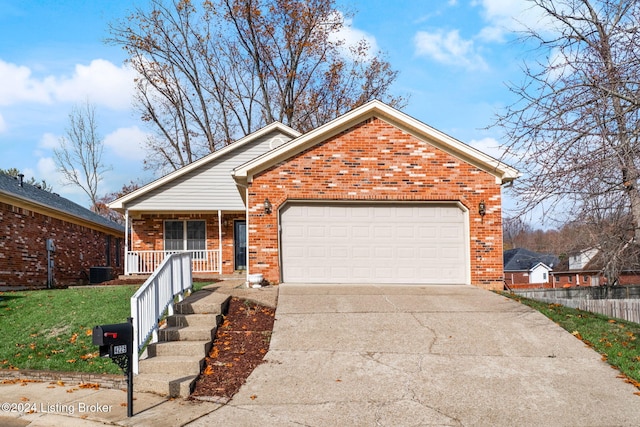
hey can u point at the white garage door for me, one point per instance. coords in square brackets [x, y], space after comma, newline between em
[373, 243]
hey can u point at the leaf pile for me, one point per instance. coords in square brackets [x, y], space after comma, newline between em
[239, 347]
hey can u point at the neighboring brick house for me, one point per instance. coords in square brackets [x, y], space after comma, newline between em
[373, 196]
[524, 268]
[49, 241]
[586, 268]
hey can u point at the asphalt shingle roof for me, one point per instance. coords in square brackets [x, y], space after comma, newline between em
[521, 259]
[11, 186]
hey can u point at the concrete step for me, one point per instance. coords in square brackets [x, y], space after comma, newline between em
[165, 385]
[172, 365]
[179, 348]
[187, 333]
[203, 302]
[211, 320]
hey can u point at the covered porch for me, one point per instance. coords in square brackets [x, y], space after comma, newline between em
[217, 241]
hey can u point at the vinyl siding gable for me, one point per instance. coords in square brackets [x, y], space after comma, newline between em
[209, 187]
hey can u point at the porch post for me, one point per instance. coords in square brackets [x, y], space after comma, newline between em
[219, 241]
[126, 242]
[246, 214]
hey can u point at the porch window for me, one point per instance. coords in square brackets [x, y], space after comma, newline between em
[185, 236]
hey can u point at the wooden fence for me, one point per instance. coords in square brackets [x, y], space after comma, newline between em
[626, 309]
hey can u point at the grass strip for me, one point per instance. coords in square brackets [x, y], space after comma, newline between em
[52, 329]
[615, 339]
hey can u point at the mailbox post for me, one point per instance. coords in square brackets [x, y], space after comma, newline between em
[116, 342]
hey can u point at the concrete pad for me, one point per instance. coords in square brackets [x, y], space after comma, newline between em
[528, 334]
[170, 413]
[526, 391]
[362, 332]
[420, 356]
[44, 404]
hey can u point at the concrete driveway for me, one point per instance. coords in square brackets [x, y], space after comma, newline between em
[421, 356]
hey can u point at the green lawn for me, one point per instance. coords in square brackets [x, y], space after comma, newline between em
[616, 340]
[52, 329]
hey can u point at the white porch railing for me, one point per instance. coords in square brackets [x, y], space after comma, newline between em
[145, 262]
[172, 278]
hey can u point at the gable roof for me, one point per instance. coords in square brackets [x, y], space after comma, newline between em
[521, 259]
[503, 173]
[33, 198]
[541, 264]
[119, 204]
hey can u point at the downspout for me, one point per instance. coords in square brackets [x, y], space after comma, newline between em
[126, 242]
[219, 242]
[246, 192]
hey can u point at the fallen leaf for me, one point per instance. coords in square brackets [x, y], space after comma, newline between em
[253, 397]
[73, 338]
[94, 386]
[89, 356]
[24, 399]
[88, 332]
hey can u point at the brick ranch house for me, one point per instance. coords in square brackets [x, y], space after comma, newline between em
[586, 268]
[49, 241]
[374, 196]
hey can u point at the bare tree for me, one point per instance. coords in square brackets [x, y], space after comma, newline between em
[213, 71]
[102, 208]
[575, 126]
[79, 158]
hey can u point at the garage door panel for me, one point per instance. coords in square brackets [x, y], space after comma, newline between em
[450, 233]
[362, 252]
[383, 253]
[338, 232]
[427, 232]
[356, 243]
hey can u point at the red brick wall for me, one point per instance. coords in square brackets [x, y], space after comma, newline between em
[519, 277]
[148, 233]
[23, 254]
[562, 279]
[376, 161]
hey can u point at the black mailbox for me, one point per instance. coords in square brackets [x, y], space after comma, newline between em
[114, 340]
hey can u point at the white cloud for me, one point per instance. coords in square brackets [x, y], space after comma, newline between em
[505, 16]
[49, 141]
[127, 143]
[450, 49]
[47, 168]
[18, 85]
[351, 37]
[102, 82]
[492, 34]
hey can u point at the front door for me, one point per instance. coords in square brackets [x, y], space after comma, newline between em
[240, 244]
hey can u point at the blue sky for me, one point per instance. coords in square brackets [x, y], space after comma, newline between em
[454, 57]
